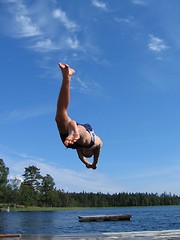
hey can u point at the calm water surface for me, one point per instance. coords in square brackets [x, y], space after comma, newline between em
[66, 222]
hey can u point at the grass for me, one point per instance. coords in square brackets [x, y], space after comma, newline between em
[42, 209]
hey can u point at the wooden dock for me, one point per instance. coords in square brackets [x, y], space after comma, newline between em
[144, 235]
[150, 235]
[100, 218]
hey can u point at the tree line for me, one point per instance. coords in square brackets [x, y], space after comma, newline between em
[40, 191]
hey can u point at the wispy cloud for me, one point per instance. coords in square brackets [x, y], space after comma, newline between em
[67, 179]
[140, 2]
[23, 25]
[157, 78]
[10, 1]
[87, 86]
[23, 114]
[99, 4]
[73, 43]
[93, 181]
[46, 29]
[44, 33]
[156, 44]
[157, 178]
[156, 171]
[44, 45]
[128, 21]
[61, 15]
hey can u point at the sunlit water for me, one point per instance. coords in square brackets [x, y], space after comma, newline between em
[66, 222]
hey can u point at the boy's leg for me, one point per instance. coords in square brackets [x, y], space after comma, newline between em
[64, 95]
[65, 124]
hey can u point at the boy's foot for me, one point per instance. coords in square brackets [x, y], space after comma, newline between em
[73, 133]
[71, 138]
[66, 70]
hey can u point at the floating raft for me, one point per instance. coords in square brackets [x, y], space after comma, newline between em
[99, 218]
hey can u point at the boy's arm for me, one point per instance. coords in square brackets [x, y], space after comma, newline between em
[83, 159]
[96, 156]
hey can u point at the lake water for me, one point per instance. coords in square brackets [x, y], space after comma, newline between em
[66, 222]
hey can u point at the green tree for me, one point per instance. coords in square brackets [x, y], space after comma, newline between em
[27, 196]
[33, 178]
[13, 186]
[4, 171]
[48, 193]
[31, 186]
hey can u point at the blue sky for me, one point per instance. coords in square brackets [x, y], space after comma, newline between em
[127, 86]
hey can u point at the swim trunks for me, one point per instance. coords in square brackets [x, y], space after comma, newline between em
[76, 145]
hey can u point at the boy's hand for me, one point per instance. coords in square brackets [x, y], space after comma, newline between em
[94, 166]
[88, 165]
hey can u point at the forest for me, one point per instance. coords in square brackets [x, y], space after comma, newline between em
[40, 191]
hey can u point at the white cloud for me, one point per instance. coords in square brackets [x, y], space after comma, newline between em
[72, 43]
[99, 4]
[156, 44]
[156, 179]
[25, 27]
[61, 15]
[43, 31]
[68, 179]
[44, 45]
[28, 24]
[21, 25]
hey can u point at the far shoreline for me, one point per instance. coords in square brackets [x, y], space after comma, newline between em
[50, 209]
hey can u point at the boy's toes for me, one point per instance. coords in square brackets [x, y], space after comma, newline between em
[76, 136]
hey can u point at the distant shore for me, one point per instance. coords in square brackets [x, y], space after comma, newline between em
[20, 208]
